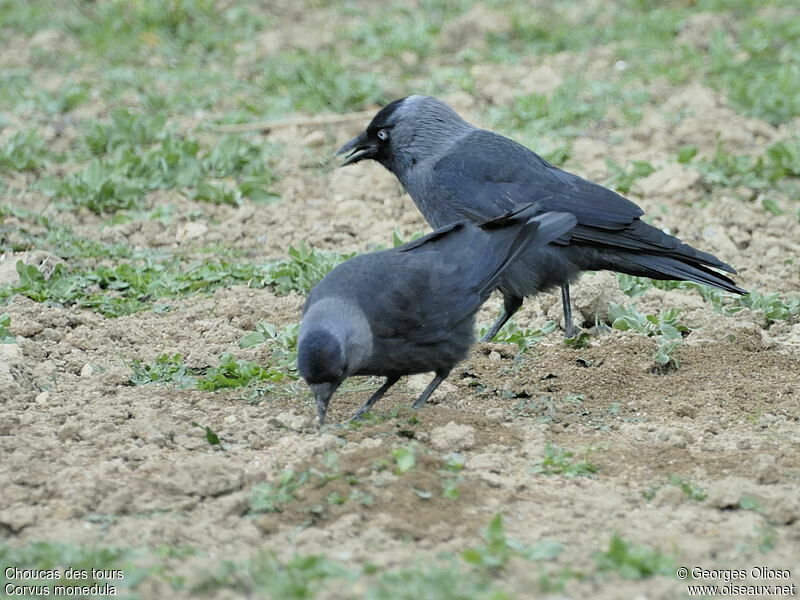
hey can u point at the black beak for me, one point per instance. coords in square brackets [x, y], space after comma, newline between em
[322, 394]
[357, 149]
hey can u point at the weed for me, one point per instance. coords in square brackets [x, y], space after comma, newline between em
[498, 548]
[24, 151]
[304, 268]
[622, 179]
[211, 437]
[130, 287]
[773, 307]
[664, 327]
[5, 335]
[283, 343]
[631, 561]
[757, 69]
[691, 491]
[271, 497]
[165, 369]
[557, 461]
[404, 458]
[779, 161]
[264, 576]
[686, 154]
[233, 373]
[524, 338]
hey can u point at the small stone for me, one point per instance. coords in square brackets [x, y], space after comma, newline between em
[684, 409]
[291, 421]
[494, 355]
[453, 437]
[87, 370]
[230, 419]
[190, 231]
[42, 398]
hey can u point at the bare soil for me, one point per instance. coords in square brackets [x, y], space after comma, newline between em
[90, 459]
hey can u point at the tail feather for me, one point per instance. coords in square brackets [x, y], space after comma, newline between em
[665, 267]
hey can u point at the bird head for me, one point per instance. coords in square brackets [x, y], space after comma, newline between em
[406, 132]
[322, 362]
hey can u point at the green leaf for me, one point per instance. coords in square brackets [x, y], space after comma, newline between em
[404, 459]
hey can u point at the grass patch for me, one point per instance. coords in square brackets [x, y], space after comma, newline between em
[136, 153]
[498, 548]
[24, 151]
[558, 461]
[229, 373]
[630, 561]
[303, 269]
[234, 373]
[774, 306]
[131, 287]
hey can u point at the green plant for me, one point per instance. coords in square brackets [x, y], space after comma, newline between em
[622, 179]
[664, 326]
[131, 287]
[6, 336]
[498, 548]
[691, 491]
[211, 437]
[303, 269]
[232, 373]
[631, 561]
[283, 343]
[165, 369]
[264, 576]
[271, 497]
[524, 338]
[24, 151]
[405, 458]
[557, 461]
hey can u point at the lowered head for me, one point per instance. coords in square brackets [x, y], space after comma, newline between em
[322, 362]
[406, 132]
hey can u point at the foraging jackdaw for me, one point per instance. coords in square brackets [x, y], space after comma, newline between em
[412, 309]
[455, 171]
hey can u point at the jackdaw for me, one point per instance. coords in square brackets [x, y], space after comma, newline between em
[455, 171]
[412, 309]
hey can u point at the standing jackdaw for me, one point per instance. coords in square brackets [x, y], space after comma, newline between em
[455, 171]
[412, 309]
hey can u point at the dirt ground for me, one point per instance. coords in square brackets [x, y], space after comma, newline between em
[90, 459]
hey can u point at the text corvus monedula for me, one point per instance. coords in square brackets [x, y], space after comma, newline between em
[455, 171]
[411, 309]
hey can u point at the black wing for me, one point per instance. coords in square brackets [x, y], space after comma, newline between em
[448, 274]
[490, 174]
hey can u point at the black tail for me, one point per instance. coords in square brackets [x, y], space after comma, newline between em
[666, 267]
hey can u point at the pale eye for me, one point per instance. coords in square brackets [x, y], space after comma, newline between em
[383, 135]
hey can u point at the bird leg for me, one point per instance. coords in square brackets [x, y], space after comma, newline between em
[423, 398]
[511, 305]
[570, 330]
[367, 406]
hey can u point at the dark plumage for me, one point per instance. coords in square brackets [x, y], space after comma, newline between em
[412, 309]
[455, 171]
